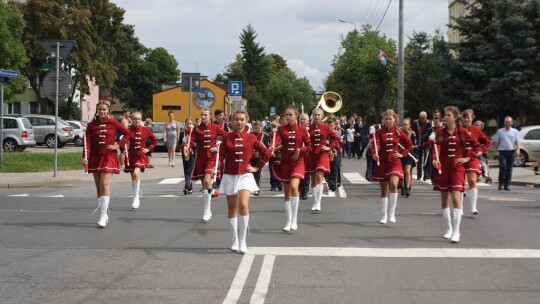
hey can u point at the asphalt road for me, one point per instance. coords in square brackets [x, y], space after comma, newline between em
[52, 252]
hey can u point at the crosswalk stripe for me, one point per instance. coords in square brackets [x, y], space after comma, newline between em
[20, 195]
[171, 181]
[355, 178]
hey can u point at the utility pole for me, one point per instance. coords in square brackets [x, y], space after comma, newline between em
[401, 66]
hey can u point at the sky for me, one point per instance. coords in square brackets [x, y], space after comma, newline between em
[203, 36]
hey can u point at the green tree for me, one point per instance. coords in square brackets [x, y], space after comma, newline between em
[255, 66]
[12, 53]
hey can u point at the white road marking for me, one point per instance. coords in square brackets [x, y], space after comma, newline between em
[171, 181]
[31, 211]
[57, 195]
[239, 280]
[504, 198]
[342, 192]
[355, 178]
[261, 288]
[20, 195]
[399, 252]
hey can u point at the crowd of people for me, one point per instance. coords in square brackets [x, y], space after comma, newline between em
[303, 151]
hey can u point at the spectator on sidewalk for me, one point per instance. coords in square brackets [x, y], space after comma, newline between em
[506, 147]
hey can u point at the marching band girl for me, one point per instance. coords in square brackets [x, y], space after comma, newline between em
[295, 143]
[238, 182]
[385, 152]
[188, 155]
[472, 168]
[318, 160]
[100, 154]
[137, 150]
[265, 140]
[204, 137]
[450, 154]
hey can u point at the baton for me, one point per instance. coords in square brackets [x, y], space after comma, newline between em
[409, 154]
[85, 153]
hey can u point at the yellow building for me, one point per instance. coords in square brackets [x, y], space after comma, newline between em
[211, 95]
[456, 9]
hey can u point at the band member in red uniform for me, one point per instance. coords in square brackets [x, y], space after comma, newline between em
[450, 154]
[238, 182]
[295, 144]
[204, 137]
[387, 153]
[265, 140]
[318, 159]
[100, 154]
[472, 168]
[137, 154]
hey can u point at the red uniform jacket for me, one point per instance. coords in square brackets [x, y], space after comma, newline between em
[451, 147]
[319, 135]
[205, 138]
[138, 141]
[100, 134]
[480, 137]
[387, 140]
[293, 137]
[237, 150]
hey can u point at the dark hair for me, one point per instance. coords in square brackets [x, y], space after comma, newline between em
[170, 112]
[218, 112]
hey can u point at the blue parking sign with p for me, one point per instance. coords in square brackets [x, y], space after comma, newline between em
[235, 88]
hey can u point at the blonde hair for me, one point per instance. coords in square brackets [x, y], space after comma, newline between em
[241, 112]
[390, 112]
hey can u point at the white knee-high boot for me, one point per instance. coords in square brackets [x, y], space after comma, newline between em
[234, 230]
[288, 214]
[294, 211]
[462, 199]
[207, 197]
[392, 200]
[384, 208]
[317, 197]
[243, 224]
[103, 208]
[136, 184]
[457, 222]
[448, 223]
[473, 193]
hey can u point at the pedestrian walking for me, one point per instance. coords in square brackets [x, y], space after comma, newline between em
[204, 137]
[290, 170]
[450, 154]
[506, 143]
[137, 149]
[238, 182]
[170, 137]
[100, 154]
[323, 140]
[265, 140]
[409, 162]
[388, 154]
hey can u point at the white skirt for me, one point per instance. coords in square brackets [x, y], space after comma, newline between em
[231, 184]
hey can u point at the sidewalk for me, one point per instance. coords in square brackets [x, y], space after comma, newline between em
[78, 177]
[521, 176]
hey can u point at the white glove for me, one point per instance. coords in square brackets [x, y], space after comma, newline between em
[372, 130]
[432, 136]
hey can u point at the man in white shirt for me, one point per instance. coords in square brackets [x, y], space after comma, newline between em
[506, 146]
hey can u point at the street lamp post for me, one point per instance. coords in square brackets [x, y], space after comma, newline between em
[350, 22]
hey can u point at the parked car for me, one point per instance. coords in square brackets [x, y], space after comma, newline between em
[158, 129]
[78, 130]
[18, 134]
[44, 130]
[529, 144]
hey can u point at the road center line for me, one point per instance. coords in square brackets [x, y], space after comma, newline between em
[239, 280]
[261, 288]
[398, 252]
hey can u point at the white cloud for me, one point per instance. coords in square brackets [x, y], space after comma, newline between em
[305, 70]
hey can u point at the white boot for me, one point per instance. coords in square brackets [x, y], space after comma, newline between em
[457, 221]
[288, 214]
[384, 207]
[473, 193]
[242, 232]
[136, 184]
[207, 208]
[103, 208]
[317, 197]
[234, 230]
[294, 209]
[448, 222]
[392, 200]
[462, 199]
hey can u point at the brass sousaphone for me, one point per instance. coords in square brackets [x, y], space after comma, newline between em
[330, 102]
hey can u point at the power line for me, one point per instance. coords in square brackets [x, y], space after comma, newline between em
[365, 12]
[389, 2]
[373, 14]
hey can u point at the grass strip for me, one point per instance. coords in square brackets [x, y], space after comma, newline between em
[23, 162]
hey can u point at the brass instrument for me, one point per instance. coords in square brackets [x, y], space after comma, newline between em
[332, 154]
[330, 102]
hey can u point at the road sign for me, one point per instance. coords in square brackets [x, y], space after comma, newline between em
[10, 73]
[64, 48]
[235, 88]
[194, 79]
[272, 111]
[65, 85]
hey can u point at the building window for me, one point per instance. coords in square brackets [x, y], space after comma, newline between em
[34, 107]
[14, 107]
[171, 108]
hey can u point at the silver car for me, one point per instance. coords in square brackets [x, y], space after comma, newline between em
[44, 130]
[18, 134]
[529, 145]
[78, 130]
